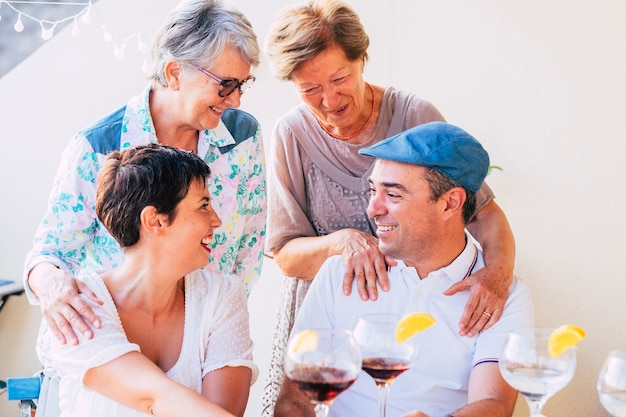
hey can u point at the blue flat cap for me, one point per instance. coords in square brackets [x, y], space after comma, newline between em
[439, 145]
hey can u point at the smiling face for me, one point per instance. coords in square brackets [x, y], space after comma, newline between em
[190, 232]
[409, 222]
[333, 89]
[199, 102]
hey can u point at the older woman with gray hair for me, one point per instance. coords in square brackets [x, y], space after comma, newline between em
[318, 188]
[202, 56]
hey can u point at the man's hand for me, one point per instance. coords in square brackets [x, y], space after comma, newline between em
[365, 263]
[62, 306]
[489, 288]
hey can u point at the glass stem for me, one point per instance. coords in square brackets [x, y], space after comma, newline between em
[321, 410]
[383, 390]
[536, 405]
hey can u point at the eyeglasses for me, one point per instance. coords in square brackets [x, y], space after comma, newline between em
[228, 85]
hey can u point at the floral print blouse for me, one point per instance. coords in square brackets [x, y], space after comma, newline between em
[71, 237]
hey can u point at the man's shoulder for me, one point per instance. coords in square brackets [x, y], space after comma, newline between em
[519, 290]
[332, 267]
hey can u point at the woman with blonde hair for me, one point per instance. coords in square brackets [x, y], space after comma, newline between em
[318, 187]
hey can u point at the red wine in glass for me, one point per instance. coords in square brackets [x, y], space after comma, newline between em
[385, 370]
[322, 384]
[385, 357]
[323, 367]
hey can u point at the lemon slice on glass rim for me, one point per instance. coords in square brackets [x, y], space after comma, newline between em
[305, 341]
[563, 338]
[411, 324]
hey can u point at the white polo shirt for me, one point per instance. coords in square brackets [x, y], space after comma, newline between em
[437, 383]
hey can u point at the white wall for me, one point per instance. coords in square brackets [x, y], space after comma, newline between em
[541, 84]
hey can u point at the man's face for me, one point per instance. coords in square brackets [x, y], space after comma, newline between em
[402, 208]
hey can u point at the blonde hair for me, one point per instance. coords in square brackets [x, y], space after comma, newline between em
[300, 33]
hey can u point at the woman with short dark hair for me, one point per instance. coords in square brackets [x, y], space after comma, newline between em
[175, 338]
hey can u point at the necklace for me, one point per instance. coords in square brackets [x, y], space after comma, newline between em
[358, 132]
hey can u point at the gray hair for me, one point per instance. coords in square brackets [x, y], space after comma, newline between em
[440, 183]
[300, 33]
[196, 32]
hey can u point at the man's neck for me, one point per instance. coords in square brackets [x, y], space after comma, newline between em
[441, 255]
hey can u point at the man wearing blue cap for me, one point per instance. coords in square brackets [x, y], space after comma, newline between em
[423, 188]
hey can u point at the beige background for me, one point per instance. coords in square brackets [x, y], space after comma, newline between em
[541, 84]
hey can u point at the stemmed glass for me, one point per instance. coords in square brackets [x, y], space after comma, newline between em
[527, 366]
[384, 359]
[612, 383]
[325, 369]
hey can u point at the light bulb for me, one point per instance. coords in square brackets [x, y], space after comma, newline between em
[47, 34]
[86, 18]
[19, 26]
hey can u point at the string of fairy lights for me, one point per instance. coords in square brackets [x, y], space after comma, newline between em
[86, 10]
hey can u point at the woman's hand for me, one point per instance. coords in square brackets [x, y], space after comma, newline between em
[365, 263]
[489, 288]
[61, 303]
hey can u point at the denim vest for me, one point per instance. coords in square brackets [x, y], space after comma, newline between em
[104, 136]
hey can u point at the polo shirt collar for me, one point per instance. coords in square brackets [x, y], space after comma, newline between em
[460, 268]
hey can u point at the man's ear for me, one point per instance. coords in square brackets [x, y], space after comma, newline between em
[454, 198]
[152, 221]
[173, 71]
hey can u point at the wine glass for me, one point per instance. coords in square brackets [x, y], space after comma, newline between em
[527, 366]
[325, 369]
[384, 359]
[612, 383]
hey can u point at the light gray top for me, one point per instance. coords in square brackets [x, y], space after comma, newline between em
[318, 184]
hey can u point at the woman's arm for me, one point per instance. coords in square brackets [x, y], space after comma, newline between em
[302, 258]
[60, 244]
[489, 286]
[61, 304]
[133, 380]
[292, 238]
[228, 368]
[225, 387]
[292, 402]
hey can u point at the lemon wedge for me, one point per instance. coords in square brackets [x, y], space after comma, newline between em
[411, 324]
[305, 341]
[563, 338]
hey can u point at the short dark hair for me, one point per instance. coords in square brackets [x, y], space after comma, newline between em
[440, 183]
[142, 176]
